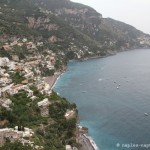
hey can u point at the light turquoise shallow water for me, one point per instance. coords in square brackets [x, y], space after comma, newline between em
[112, 115]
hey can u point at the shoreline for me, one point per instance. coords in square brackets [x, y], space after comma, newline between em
[86, 141]
[52, 80]
[108, 55]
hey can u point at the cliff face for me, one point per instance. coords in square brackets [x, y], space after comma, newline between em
[42, 23]
[108, 32]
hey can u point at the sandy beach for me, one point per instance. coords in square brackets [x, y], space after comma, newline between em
[52, 79]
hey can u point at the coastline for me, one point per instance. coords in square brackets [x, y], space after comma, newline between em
[83, 139]
[86, 142]
[51, 80]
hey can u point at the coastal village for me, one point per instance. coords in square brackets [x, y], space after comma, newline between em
[18, 76]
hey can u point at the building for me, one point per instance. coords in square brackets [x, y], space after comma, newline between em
[69, 114]
[14, 89]
[44, 107]
[14, 134]
[4, 61]
[9, 133]
[5, 103]
[68, 147]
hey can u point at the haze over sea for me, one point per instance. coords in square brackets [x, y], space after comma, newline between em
[112, 115]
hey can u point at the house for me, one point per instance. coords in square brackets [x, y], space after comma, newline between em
[24, 40]
[44, 107]
[5, 80]
[39, 86]
[14, 89]
[14, 134]
[29, 75]
[39, 43]
[4, 61]
[25, 82]
[10, 134]
[26, 133]
[47, 88]
[33, 98]
[68, 147]
[69, 114]
[30, 93]
[5, 103]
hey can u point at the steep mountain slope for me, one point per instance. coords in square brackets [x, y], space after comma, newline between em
[22, 18]
[108, 32]
[66, 27]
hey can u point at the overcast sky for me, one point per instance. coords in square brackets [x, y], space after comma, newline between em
[133, 12]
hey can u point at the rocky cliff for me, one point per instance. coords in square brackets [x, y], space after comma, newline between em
[108, 32]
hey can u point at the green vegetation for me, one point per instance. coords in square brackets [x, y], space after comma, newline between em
[56, 132]
[15, 146]
[24, 111]
[4, 53]
[20, 51]
[17, 77]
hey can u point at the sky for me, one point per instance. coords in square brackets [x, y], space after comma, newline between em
[133, 12]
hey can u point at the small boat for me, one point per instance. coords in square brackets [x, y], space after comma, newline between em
[146, 114]
[117, 87]
[83, 91]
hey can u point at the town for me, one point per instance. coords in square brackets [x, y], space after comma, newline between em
[31, 78]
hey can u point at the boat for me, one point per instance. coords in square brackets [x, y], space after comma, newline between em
[83, 91]
[146, 114]
[117, 87]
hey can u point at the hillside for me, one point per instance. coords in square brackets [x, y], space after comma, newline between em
[20, 19]
[111, 34]
[74, 29]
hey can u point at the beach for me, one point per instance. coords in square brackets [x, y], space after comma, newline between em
[52, 79]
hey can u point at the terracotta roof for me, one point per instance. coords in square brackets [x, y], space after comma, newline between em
[16, 86]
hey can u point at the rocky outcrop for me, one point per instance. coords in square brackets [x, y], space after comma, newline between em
[108, 32]
[42, 23]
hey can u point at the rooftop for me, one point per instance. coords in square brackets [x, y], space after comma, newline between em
[43, 102]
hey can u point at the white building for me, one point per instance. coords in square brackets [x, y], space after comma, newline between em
[44, 107]
[68, 147]
[4, 61]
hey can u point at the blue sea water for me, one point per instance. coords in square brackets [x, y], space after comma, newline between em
[113, 116]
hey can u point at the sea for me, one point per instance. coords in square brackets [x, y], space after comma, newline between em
[113, 98]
